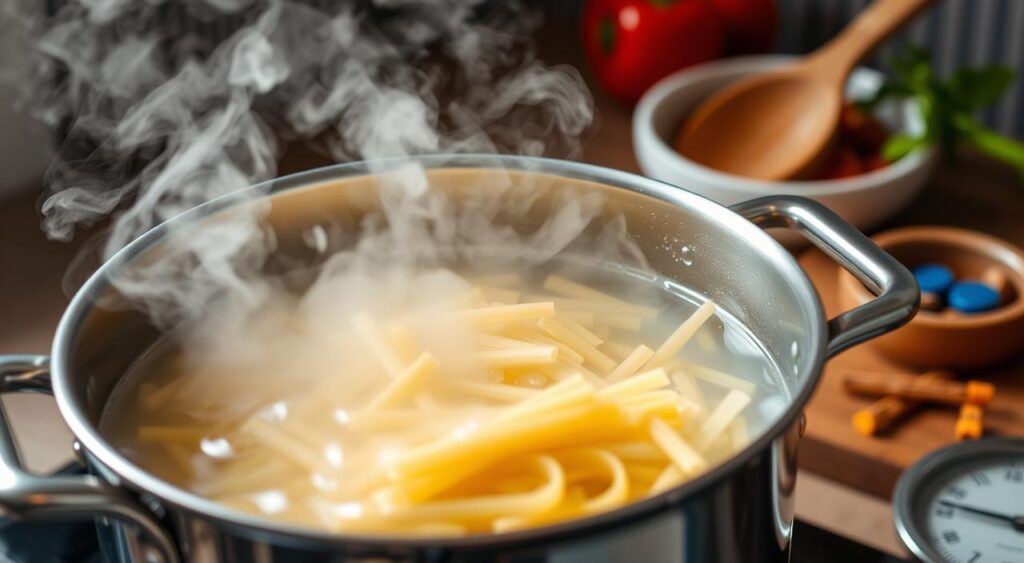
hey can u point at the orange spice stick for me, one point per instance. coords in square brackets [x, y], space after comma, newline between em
[969, 426]
[913, 387]
[881, 414]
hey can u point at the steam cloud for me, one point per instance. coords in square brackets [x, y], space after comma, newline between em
[168, 104]
[367, 80]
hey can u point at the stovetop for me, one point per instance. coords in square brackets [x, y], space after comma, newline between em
[77, 543]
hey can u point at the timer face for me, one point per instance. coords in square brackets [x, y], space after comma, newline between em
[958, 513]
[965, 507]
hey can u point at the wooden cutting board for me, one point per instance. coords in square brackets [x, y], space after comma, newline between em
[833, 449]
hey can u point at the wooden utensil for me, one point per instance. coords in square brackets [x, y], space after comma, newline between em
[779, 125]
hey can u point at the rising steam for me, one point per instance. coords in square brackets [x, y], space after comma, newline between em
[168, 104]
[171, 118]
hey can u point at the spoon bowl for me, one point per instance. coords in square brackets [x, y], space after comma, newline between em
[785, 119]
[780, 125]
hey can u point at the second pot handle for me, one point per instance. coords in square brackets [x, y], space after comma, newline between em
[895, 287]
[29, 497]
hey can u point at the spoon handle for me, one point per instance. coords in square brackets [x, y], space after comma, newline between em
[863, 34]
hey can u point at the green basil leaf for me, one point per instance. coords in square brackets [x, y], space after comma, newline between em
[898, 146]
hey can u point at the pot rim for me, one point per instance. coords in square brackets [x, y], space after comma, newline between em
[98, 448]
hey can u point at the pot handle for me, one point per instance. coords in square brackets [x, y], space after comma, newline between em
[24, 496]
[895, 287]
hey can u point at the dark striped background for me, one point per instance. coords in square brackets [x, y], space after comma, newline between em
[957, 32]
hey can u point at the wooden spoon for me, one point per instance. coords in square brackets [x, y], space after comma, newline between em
[779, 125]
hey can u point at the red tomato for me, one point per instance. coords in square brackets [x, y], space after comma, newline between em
[844, 163]
[875, 162]
[861, 130]
[750, 25]
[632, 44]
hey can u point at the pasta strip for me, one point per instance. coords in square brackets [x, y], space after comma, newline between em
[582, 318]
[509, 313]
[406, 384]
[721, 379]
[675, 342]
[641, 383]
[579, 330]
[488, 507]
[605, 462]
[677, 450]
[460, 458]
[590, 353]
[616, 350]
[492, 391]
[522, 356]
[720, 418]
[643, 472]
[664, 404]
[637, 451]
[668, 478]
[689, 389]
[739, 434]
[279, 441]
[534, 336]
[572, 504]
[631, 364]
[568, 392]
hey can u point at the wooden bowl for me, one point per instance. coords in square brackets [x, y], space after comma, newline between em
[949, 339]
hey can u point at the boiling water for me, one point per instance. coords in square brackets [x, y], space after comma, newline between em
[177, 413]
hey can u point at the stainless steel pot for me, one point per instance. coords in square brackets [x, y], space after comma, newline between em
[740, 511]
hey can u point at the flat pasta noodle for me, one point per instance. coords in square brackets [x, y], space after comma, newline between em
[722, 417]
[406, 383]
[631, 363]
[675, 341]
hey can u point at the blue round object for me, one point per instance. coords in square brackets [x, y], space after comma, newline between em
[934, 278]
[972, 297]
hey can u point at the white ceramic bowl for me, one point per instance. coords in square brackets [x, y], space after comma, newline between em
[865, 201]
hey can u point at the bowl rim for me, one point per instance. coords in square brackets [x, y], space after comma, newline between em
[938, 235]
[656, 96]
[129, 473]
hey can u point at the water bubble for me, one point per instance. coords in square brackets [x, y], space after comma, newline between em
[323, 482]
[348, 510]
[686, 255]
[276, 412]
[218, 448]
[334, 454]
[270, 502]
[342, 416]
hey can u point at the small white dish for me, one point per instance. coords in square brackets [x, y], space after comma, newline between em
[864, 201]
